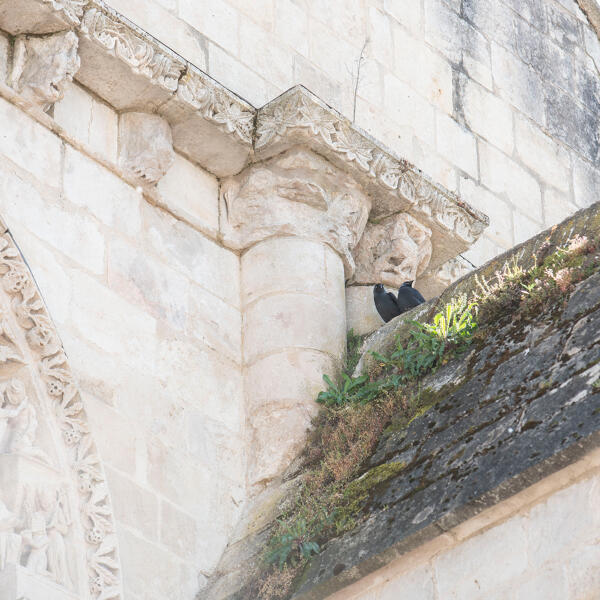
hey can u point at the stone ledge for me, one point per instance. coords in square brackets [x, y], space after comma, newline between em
[213, 127]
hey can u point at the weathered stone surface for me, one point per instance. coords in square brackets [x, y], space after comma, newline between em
[42, 66]
[392, 252]
[145, 145]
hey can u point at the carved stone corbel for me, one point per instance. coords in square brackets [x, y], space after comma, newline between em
[393, 251]
[42, 66]
[145, 145]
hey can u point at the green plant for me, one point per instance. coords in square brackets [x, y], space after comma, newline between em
[451, 331]
[351, 390]
[294, 541]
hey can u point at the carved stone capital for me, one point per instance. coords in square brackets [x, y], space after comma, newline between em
[145, 145]
[296, 194]
[393, 251]
[42, 66]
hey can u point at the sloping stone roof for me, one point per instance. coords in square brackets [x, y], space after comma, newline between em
[510, 413]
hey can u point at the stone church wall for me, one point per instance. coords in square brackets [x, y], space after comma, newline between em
[495, 100]
[148, 309]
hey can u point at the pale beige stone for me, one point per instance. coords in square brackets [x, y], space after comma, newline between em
[550, 582]
[525, 227]
[178, 531]
[135, 506]
[218, 22]
[30, 145]
[90, 185]
[236, 76]
[504, 176]
[291, 25]
[418, 584]
[290, 377]
[73, 234]
[284, 321]
[273, 267]
[192, 194]
[215, 323]
[17, 583]
[361, 315]
[141, 280]
[405, 12]
[153, 572]
[145, 145]
[568, 519]
[404, 106]
[178, 478]
[392, 252]
[206, 263]
[488, 116]
[499, 211]
[381, 42]
[265, 55]
[422, 69]
[557, 207]
[88, 121]
[278, 436]
[542, 154]
[112, 323]
[116, 438]
[457, 145]
[189, 374]
[586, 183]
[43, 65]
[479, 566]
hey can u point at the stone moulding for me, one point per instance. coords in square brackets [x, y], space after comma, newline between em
[213, 127]
[87, 475]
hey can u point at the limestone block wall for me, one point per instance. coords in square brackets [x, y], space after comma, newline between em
[547, 549]
[497, 101]
[148, 309]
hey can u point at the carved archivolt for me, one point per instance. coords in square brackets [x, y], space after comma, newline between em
[38, 521]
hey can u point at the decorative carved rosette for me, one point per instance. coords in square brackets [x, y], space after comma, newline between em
[96, 512]
[124, 43]
[216, 106]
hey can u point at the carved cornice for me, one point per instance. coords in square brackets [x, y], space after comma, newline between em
[134, 71]
[96, 516]
[297, 116]
[125, 43]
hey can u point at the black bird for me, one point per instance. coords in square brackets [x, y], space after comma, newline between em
[385, 303]
[408, 297]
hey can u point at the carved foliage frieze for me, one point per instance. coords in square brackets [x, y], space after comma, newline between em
[139, 53]
[36, 529]
[215, 105]
[298, 110]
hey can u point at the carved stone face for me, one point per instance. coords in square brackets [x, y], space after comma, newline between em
[43, 66]
[392, 252]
